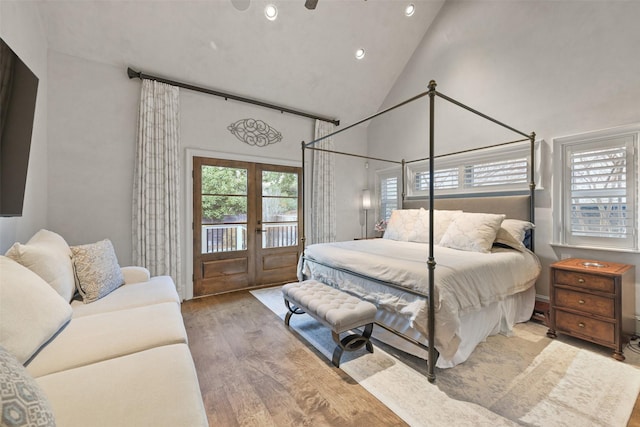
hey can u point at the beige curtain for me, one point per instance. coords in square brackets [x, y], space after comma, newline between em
[323, 187]
[156, 196]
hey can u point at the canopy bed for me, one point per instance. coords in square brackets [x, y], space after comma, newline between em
[486, 268]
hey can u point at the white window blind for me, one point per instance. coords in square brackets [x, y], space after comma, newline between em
[598, 194]
[500, 169]
[504, 172]
[444, 179]
[388, 196]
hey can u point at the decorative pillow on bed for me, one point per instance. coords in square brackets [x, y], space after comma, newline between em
[31, 312]
[474, 232]
[48, 255]
[401, 225]
[441, 221]
[512, 234]
[22, 400]
[97, 270]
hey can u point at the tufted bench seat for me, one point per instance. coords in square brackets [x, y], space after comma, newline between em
[335, 309]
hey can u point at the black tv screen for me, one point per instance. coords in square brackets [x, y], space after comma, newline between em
[18, 90]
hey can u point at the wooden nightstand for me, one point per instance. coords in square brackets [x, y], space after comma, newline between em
[594, 301]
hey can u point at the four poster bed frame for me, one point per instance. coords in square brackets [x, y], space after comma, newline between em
[514, 204]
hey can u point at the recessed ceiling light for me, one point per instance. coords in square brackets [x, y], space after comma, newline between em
[271, 12]
[410, 9]
[360, 53]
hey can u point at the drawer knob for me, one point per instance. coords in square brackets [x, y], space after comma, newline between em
[581, 301]
[580, 280]
[581, 324]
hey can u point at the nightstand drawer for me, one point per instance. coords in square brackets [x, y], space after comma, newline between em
[585, 326]
[593, 304]
[587, 281]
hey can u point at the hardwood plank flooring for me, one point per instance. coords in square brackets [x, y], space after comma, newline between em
[255, 372]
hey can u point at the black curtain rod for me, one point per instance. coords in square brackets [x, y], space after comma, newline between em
[139, 74]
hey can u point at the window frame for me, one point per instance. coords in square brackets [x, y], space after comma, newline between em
[563, 147]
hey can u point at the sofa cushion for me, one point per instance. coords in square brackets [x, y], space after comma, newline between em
[22, 401]
[91, 339]
[155, 387]
[157, 290]
[97, 270]
[31, 312]
[48, 255]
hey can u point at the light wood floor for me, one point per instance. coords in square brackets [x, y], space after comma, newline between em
[255, 372]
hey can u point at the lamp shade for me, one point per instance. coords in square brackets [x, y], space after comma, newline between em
[366, 199]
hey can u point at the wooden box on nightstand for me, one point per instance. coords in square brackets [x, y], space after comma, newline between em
[594, 301]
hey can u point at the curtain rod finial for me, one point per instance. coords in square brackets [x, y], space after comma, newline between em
[131, 73]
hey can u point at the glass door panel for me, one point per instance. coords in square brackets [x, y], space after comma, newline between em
[279, 209]
[224, 209]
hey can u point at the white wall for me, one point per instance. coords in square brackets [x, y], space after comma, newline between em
[556, 68]
[92, 130]
[22, 29]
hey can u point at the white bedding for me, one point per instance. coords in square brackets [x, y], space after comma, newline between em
[466, 283]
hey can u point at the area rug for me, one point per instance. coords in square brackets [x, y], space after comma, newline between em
[525, 379]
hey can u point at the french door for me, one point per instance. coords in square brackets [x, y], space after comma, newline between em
[246, 223]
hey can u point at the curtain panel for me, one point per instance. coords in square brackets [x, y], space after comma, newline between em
[323, 187]
[156, 195]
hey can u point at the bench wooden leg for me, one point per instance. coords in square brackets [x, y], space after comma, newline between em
[351, 343]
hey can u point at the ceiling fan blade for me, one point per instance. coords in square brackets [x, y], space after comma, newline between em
[310, 4]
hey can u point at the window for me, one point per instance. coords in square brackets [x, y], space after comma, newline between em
[389, 190]
[498, 169]
[596, 189]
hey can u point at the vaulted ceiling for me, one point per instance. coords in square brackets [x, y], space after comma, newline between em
[305, 59]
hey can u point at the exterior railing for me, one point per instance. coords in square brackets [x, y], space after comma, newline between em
[233, 237]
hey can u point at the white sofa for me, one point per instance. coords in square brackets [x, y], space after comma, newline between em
[120, 360]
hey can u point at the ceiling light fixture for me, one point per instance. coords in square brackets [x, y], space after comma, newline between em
[410, 9]
[360, 53]
[271, 12]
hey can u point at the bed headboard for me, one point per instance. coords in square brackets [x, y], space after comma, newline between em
[515, 207]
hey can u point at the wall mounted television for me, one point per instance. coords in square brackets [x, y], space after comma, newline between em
[18, 90]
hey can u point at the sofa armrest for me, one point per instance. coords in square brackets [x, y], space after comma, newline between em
[135, 274]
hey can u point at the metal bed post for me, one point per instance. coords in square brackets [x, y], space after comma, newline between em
[532, 188]
[302, 183]
[431, 263]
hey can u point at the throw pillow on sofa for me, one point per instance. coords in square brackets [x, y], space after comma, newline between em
[97, 270]
[48, 255]
[22, 401]
[31, 312]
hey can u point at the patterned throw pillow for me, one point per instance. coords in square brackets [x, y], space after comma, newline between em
[23, 402]
[401, 224]
[474, 232]
[441, 221]
[97, 270]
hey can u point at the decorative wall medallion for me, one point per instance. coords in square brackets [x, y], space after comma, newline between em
[254, 132]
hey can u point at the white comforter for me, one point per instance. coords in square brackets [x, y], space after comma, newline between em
[464, 281]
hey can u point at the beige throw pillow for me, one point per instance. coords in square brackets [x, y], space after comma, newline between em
[48, 255]
[97, 270]
[31, 312]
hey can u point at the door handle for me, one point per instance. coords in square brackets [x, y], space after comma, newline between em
[260, 230]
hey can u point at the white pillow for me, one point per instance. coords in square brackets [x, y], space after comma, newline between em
[512, 233]
[31, 312]
[97, 270]
[441, 221]
[401, 224]
[474, 232]
[48, 255]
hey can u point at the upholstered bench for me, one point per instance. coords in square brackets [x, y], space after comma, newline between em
[336, 309]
